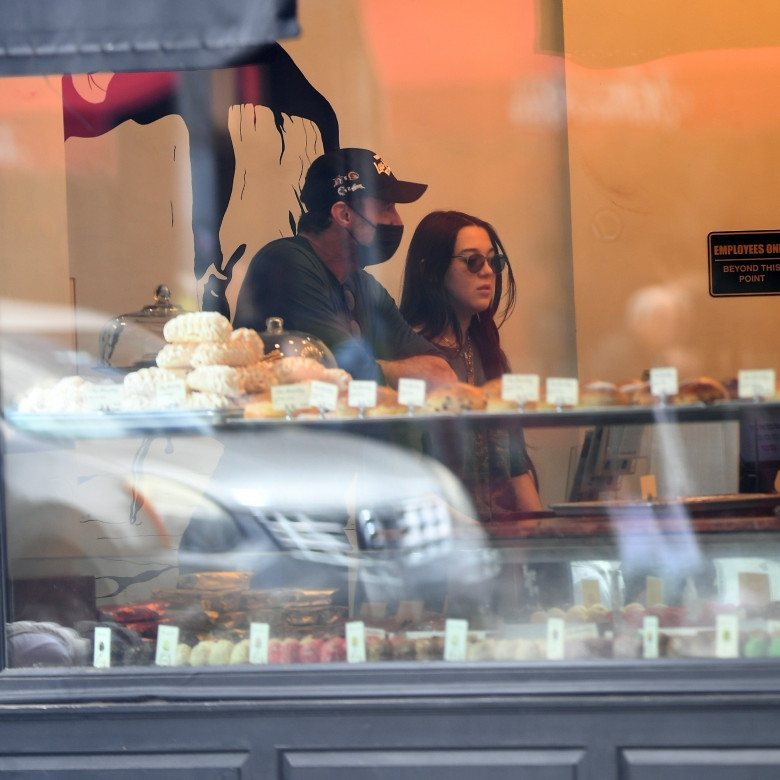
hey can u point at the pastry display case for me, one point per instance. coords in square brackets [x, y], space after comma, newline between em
[318, 530]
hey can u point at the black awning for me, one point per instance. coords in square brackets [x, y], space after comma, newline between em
[83, 36]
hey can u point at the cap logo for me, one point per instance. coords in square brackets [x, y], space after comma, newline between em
[347, 183]
[381, 166]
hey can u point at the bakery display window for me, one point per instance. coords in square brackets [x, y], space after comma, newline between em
[180, 493]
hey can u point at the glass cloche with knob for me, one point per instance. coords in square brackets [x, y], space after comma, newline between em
[131, 341]
[291, 343]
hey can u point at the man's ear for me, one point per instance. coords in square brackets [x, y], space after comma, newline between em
[340, 213]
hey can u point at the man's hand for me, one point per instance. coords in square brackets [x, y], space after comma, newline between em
[434, 370]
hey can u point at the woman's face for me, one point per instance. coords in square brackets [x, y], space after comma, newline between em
[470, 293]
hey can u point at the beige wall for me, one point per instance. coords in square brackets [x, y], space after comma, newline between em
[33, 207]
[673, 133]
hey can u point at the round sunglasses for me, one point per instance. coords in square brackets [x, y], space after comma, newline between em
[476, 262]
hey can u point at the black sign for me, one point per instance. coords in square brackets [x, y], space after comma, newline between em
[744, 263]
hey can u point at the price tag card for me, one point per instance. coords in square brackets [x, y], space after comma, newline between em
[650, 636]
[323, 395]
[167, 643]
[102, 652]
[171, 394]
[562, 391]
[411, 392]
[520, 387]
[648, 486]
[362, 393]
[663, 381]
[105, 398]
[556, 634]
[288, 398]
[456, 634]
[355, 634]
[259, 636]
[727, 636]
[754, 589]
[591, 593]
[654, 591]
[756, 383]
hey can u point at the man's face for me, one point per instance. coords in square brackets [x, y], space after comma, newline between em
[376, 211]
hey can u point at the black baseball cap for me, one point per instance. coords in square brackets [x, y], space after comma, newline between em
[346, 173]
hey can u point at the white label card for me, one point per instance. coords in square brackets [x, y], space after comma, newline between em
[102, 652]
[727, 636]
[355, 633]
[288, 398]
[456, 633]
[756, 383]
[411, 392]
[556, 634]
[105, 398]
[650, 636]
[171, 394]
[167, 644]
[520, 387]
[562, 391]
[663, 381]
[324, 395]
[259, 635]
[362, 393]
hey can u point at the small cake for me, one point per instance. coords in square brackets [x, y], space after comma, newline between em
[223, 380]
[197, 326]
[334, 649]
[176, 355]
[183, 653]
[251, 340]
[222, 353]
[600, 393]
[221, 652]
[597, 613]
[577, 614]
[703, 389]
[145, 381]
[637, 392]
[240, 653]
[493, 401]
[290, 370]
[201, 653]
[454, 397]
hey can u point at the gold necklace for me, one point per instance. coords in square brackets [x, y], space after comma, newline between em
[467, 351]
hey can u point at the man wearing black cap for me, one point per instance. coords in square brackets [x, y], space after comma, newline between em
[316, 282]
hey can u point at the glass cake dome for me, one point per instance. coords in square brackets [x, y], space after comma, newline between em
[131, 341]
[293, 343]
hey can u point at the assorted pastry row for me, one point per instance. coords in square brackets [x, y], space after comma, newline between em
[213, 615]
[206, 364]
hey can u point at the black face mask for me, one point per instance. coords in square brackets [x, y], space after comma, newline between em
[386, 240]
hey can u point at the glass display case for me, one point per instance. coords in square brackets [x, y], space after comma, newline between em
[309, 535]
